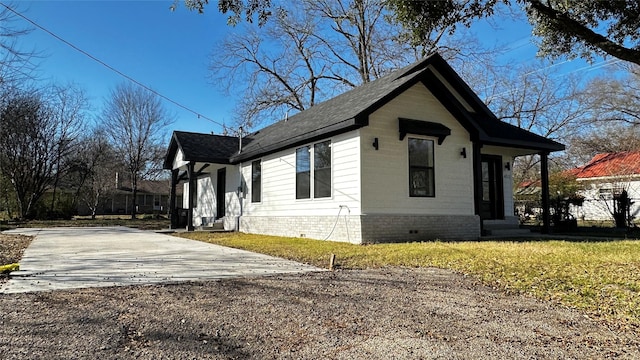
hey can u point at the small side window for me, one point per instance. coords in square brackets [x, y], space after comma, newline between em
[303, 172]
[256, 181]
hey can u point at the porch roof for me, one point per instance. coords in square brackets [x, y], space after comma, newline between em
[199, 147]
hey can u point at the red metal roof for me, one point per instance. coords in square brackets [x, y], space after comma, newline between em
[610, 164]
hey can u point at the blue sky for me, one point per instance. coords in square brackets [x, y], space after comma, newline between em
[167, 51]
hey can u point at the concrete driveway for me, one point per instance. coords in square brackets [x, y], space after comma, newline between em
[68, 258]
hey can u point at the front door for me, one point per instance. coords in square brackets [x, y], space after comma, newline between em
[492, 205]
[220, 195]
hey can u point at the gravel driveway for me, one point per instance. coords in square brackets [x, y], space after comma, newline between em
[393, 313]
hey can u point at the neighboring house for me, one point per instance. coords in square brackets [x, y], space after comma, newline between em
[605, 177]
[527, 200]
[412, 156]
[153, 198]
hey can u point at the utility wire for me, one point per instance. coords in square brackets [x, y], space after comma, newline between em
[109, 66]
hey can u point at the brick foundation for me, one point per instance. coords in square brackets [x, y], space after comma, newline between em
[366, 228]
[410, 228]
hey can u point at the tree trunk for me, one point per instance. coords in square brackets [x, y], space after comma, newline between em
[134, 192]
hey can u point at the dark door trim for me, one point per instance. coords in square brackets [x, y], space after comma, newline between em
[492, 191]
[221, 193]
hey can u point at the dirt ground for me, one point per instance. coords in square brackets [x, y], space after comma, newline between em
[11, 249]
[385, 313]
[372, 314]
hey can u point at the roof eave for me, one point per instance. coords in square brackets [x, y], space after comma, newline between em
[322, 133]
[171, 153]
[547, 146]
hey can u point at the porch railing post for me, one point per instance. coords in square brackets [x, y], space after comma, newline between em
[192, 192]
[544, 182]
[173, 213]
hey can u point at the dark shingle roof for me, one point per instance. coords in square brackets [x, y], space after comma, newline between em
[201, 148]
[342, 113]
[351, 110]
[501, 133]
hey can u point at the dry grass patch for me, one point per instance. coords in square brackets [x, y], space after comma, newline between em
[601, 279]
[143, 222]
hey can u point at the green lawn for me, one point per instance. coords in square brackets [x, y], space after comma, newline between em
[601, 279]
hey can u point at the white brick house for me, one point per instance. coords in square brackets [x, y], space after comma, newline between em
[412, 156]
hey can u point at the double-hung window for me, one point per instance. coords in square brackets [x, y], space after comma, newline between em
[421, 168]
[256, 181]
[303, 172]
[322, 169]
[320, 155]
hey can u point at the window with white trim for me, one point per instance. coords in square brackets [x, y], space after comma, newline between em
[322, 169]
[316, 180]
[421, 168]
[303, 172]
[256, 181]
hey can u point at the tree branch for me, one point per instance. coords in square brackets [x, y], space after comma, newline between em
[562, 23]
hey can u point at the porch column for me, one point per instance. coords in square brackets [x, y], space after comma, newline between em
[477, 181]
[192, 199]
[173, 214]
[544, 182]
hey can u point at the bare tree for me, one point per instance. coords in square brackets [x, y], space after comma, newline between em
[309, 52]
[539, 100]
[602, 138]
[68, 107]
[33, 139]
[362, 45]
[15, 63]
[616, 99]
[93, 169]
[612, 123]
[135, 122]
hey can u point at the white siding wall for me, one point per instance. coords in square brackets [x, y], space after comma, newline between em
[232, 200]
[596, 209]
[385, 172]
[279, 183]
[206, 201]
[185, 195]
[177, 161]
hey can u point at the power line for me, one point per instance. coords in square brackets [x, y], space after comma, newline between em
[110, 67]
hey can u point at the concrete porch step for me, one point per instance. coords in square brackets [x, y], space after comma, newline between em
[217, 225]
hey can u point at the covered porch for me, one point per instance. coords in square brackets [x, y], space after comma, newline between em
[203, 159]
[494, 195]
